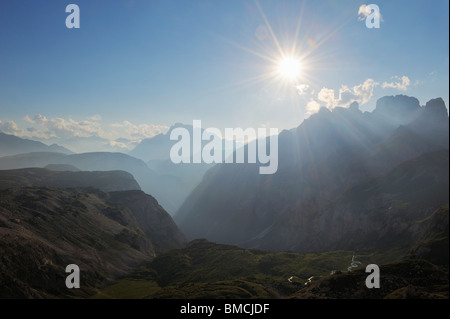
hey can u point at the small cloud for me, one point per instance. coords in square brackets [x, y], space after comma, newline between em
[402, 84]
[139, 131]
[40, 119]
[364, 11]
[28, 119]
[302, 88]
[95, 118]
[312, 107]
[361, 93]
[9, 127]
[116, 144]
[328, 96]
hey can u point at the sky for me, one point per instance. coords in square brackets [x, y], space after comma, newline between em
[136, 67]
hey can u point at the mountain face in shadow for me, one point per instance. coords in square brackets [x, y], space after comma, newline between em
[308, 204]
[377, 212]
[44, 229]
[397, 110]
[12, 145]
[432, 243]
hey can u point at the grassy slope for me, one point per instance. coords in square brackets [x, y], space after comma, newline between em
[407, 279]
[207, 270]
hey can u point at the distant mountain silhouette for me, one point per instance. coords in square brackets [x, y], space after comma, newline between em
[12, 145]
[328, 154]
[81, 144]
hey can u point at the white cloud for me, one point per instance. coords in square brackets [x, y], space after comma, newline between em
[67, 128]
[9, 127]
[312, 107]
[117, 136]
[95, 118]
[63, 128]
[119, 145]
[40, 119]
[328, 96]
[364, 12]
[302, 88]
[138, 132]
[402, 83]
[361, 93]
[28, 119]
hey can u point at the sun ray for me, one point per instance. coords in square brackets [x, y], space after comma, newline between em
[263, 56]
[266, 21]
[297, 29]
[330, 34]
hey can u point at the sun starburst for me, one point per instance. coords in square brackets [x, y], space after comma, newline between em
[289, 68]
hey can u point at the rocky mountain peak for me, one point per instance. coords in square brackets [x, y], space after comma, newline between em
[400, 108]
[436, 108]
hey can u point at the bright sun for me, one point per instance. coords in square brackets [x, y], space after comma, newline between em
[289, 68]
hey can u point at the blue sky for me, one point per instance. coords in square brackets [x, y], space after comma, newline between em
[136, 67]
